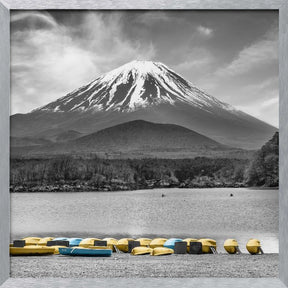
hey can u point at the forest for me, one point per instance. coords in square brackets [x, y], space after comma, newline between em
[76, 173]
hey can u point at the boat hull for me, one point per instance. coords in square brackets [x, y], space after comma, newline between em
[231, 246]
[159, 251]
[111, 243]
[170, 243]
[207, 244]
[144, 242]
[73, 242]
[99, 247]
[86, 252]
[188, 240]
[157, 242]
[87, 242]
[253, 246]
[122, 244]
[31, 240]
[43, 241]
[141, 251]
[31, 251]
[56, 249]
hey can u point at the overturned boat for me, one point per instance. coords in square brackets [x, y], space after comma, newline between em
[170, 243]
[87, 242]
[188, 240]
[158, 251]
[111, 243]
[74, 241]
[208, 245]
[254, 247]
[31, 240]
[144, 242]
[122, 244]
[231, 246]
[43, 241]
[141, 251]
[31, 250]
[81, 251]
[157, 242]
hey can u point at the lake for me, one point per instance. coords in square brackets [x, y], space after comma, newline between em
[193, 213]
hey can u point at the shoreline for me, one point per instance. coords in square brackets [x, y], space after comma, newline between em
[87, 189]
[128, 266]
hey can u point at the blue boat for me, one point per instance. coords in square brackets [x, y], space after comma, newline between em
[79, 251]
[170, 243]
[74, 241]
[61, 239]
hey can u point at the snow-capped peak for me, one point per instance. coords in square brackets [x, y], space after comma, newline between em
[135, 85]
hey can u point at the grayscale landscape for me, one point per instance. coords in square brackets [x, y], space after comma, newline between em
[145, 124]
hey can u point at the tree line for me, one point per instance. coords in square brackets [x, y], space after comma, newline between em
[68, 173]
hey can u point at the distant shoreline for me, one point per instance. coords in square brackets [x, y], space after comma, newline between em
[139, 189]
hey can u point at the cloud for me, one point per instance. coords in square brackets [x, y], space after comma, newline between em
[205, 31]
[31, 20]
[270, 102]
[50, 62]
[152, 18]
[196, 65]
[267, 111]
[260, 100]
[260, 53]
[249, 81]
[105, 38]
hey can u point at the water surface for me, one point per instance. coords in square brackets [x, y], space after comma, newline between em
[182, 213]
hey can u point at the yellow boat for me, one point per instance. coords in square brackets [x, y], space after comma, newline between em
[87, 242]
[99, 247]
[31, 240]
[31, 250]
[157, 242]
[208, 245]
[111, 243]
[122, 244]
[144, 242]
[43, 241]
[188, 240]
[254, 247]
[158, 251]
[141, 251]
[231, 246]
[55, 247]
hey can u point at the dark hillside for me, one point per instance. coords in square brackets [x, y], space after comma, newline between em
[264, 168]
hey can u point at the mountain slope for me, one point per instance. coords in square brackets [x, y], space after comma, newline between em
[134, 138]
[148, 91]
[143, 135]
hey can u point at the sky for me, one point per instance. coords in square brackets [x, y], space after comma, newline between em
[231, 55]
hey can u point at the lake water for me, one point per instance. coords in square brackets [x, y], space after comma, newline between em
[195, 213]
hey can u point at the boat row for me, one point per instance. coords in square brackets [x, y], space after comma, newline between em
[141, 246]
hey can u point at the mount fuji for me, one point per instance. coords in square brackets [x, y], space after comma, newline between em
[142, 90]
[135, 85]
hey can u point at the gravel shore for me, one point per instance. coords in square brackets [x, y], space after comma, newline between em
[128, 266]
